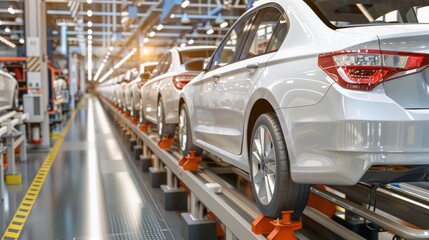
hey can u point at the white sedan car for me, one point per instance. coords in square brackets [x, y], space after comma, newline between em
[160, 95]
[317, 92]
[8, 92]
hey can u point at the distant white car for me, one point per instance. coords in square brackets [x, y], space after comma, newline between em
[8, 92]
[160, 95]
[316, 92]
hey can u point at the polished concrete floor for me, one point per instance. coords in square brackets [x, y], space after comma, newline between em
[91, 191]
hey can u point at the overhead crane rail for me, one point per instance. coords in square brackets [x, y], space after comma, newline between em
[220, 199]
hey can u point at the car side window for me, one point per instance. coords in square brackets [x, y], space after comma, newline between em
[166, 64]
[229, 48]
[158, 70]
[263, 31]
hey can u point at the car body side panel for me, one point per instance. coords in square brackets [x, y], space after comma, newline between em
[7, 90]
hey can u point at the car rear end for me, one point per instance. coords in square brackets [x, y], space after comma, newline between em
[373, 123]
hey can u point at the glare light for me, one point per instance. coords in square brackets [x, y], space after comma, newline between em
[108, 53]
[89, 42]
[152, 34]
[185, 3]
[105, 60]
[105, 76]
[224, 25]
[172, 15]
[191, 41]
[145, 40]
[89, 31]
[97, 74]
[7, 42]
[89, 13]
[22, 41]
[11, 10]
[1, 23]
[210, 31]
[89, 1]
[7, 29]
[110, 48]
[89, 37]
[159, 27]
[89, 24]
[117, 65]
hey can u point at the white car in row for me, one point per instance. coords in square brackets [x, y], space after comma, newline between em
[8, 92]
[160, 95]
[316, 92]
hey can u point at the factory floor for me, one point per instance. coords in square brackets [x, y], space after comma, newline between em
[91, 191]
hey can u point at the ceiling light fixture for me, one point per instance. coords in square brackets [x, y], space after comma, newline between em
[210, 31]
[145, 40]
[110, 48]
[183, 45]
[185, 3]
[224, 25]
[11, 10]
[7, 29]
[100, 68]
[90, 37]
[152, 34]
[89, 31]
[159, 27]
[22, 41]
[191, 41]
[1, 23]
[219, 19]
[105, 76]
[117, 65]
[7, 42]
[89, 24]
[89, 1]
[172, 15]
[89, 13]
[185, 19]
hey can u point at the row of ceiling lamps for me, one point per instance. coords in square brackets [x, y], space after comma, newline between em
[89, 31]
[12, 11]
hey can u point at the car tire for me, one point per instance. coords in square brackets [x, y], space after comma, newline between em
[163, 128]
[185, 135]
[272, 185]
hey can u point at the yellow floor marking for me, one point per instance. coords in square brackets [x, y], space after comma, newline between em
[18, 221]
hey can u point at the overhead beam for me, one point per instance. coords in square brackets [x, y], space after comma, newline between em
[117, 14]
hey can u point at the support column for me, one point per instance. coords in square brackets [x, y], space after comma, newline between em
[36, 45]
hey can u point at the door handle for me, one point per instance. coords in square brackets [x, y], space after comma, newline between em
[252, 66]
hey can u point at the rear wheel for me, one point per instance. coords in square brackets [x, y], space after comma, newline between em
[185, 135]
[272, 185]
[163, 128]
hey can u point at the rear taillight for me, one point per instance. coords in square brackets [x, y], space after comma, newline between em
[365, 69]
[180, 81]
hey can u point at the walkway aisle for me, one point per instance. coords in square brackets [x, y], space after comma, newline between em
[90, 192]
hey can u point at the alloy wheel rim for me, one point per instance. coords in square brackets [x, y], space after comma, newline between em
[263, 165]
[160, 119]
[183, 129]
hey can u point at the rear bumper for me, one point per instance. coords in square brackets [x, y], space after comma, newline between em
[340, 138]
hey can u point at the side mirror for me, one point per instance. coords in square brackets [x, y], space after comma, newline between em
[196, 65]
[145, 76]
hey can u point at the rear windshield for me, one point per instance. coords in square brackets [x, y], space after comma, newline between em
[343, 13]
[186, 56]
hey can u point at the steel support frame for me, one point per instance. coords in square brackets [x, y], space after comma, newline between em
[226, 214]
